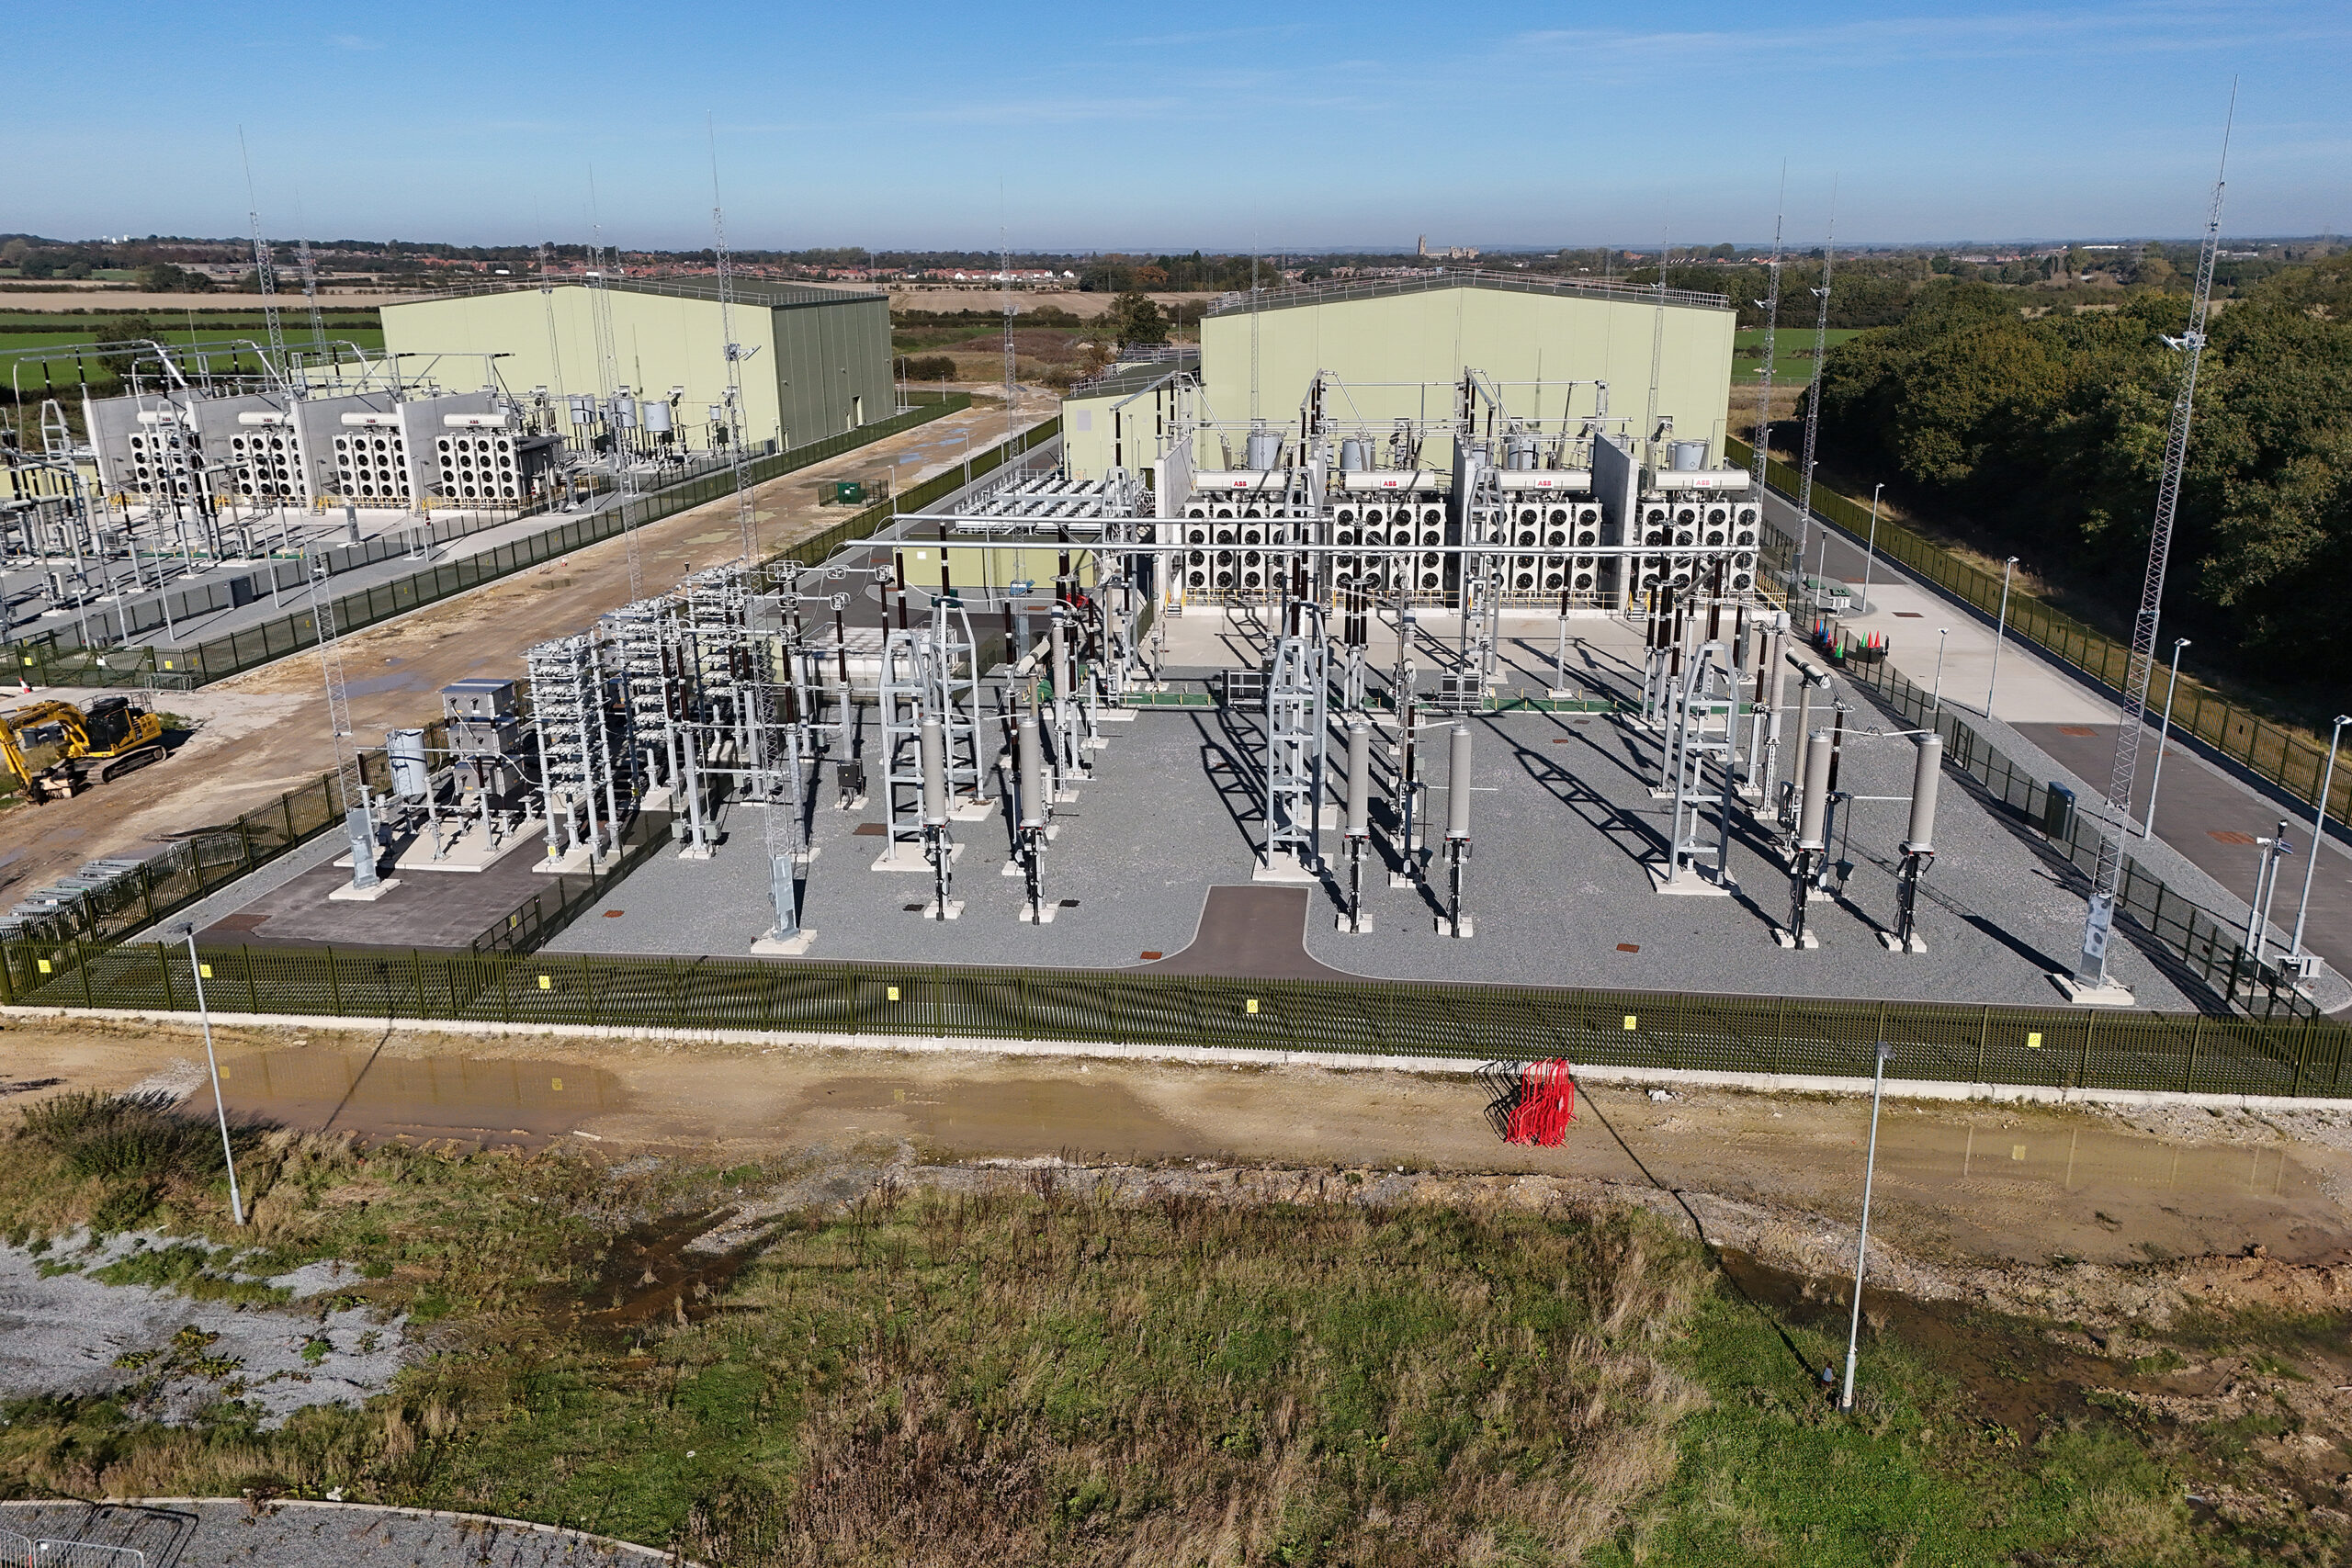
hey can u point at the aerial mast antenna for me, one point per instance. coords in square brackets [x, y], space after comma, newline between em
[1004, 261]
[262, 270]
[608, 367]
[2089, 981]
[1771, 322]
[1813, 397]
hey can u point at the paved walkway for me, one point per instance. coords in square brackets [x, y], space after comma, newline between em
[180, 1532]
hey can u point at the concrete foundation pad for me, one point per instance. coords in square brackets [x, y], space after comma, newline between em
[1784, 938]
[1360, 926]
[1043, 917]
[2107, 996]
[1116, 716]
[955, 910]
[1283, 868]
[1445, 927]
[696, 852]
[790, 947]
[1402, 879]
[972, 811]
[471, 852]
[1888, 940]
[348, 895]
[911, 857]
[1694, 882]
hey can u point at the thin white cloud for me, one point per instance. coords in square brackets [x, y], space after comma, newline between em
[355, 42]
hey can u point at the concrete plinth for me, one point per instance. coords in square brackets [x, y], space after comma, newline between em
[1360, 926]
[1783, 937]
[1445, 927]
[1284, 867]
[912, 857]
[1043, 917]
[2109, 995]
[347, 894]
[955, 910]
[471, 851]
[789, 947]
[1699, 882]
[978, 810]
[1893, 943]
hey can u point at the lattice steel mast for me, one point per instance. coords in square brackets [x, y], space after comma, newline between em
[2090, 970]
[1812, 399]
[1771, 322]
[262, 273]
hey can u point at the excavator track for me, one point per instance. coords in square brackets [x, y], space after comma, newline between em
[130, 762]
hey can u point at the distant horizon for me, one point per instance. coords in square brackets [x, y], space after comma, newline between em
[1790, 246]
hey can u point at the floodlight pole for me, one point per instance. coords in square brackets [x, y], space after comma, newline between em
[1936, 697]
[2164, 733]
[1862, 1241]
[1869, 554]
[2000, 631]
[196, 967]
[2319, 829]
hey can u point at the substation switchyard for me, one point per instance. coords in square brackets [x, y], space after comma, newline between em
[1481, 677]
[217, 476]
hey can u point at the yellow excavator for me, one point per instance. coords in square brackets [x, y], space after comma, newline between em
[54, 749]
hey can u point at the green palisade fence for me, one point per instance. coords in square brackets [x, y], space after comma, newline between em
[2294, 762]
[2048, 1047]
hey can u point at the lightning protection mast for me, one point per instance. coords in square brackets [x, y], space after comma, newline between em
[2090, 981]
[776, 750]
[1771, 322]
[263, 274]
[1812, 394]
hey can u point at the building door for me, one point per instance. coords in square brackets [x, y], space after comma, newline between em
[857, 411]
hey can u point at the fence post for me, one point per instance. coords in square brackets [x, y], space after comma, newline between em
[2083, 1057]
[588, 988]
[2303, 1051]
[1780, 1037]
[1026, 1021]
[1983, 1033]
[2196, 1034]
[163, 964]
[253, 988]
[335, 984]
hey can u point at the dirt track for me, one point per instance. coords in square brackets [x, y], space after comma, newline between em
[1957, 1185]
[265, 732]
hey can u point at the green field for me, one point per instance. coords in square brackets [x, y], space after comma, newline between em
[1791, 352]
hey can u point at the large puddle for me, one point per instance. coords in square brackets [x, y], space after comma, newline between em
[480, 1104]
[2080, 1160]
[1074, 1117]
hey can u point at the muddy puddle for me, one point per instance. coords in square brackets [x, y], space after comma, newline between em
[648, 1276]
[476, 1104]
[961, 1119]
[2033, 1189]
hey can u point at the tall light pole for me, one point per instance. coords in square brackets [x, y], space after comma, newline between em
[1862, 1240]
[1936, 697]
[2319, 828]
[2164, 733]
[196, 967]
[1869, 553]
[2000, 631]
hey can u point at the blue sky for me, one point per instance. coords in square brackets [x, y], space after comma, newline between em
[1332, 127]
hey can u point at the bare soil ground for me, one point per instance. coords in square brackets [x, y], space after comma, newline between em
[1960, 1187]
[265, 732]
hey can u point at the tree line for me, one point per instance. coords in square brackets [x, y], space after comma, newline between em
[2045, 438]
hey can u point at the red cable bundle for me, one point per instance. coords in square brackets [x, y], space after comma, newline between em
[1546, 1104]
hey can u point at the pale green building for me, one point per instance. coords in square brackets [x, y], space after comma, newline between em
[816, 362]
[1389, 349]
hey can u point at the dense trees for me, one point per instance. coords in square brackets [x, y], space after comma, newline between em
[2047, 436]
